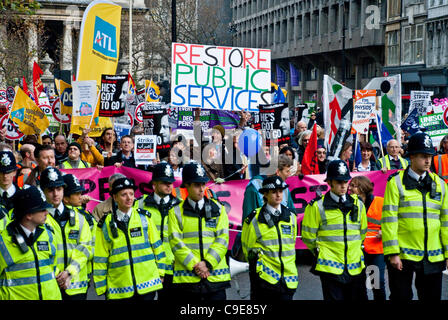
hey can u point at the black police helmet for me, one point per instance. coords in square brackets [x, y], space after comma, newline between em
[420, 142]
[193, 172]
[338, 170]
[51, 178]
[72, 185]
[7, 162]
[29, 200]
[162, 172]
[121, 184]
[272, 183]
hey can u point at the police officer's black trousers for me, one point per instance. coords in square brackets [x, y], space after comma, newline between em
[354, 289]
[166, 293]
[261, 290]
[429, 286]
[80, 296]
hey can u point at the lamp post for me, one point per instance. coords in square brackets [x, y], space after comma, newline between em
[130, 36]
[173, 21]
[343, 43]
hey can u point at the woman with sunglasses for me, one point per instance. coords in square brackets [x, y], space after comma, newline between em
[322, 160]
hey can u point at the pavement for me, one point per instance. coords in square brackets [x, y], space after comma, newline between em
[309, 285]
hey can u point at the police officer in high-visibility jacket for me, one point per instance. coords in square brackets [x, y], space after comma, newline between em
[415, 225]
[158, 204]
[268, 241]
[128, 249]
[28, 251]
[8, 170]
[73, 237]
[333, 228]
[198, 230]
[73, 201]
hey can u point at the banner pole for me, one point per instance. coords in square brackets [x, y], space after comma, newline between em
[96, 106]
[378, 127]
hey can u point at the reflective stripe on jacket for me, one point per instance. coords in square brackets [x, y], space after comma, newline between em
[128, 264]
[414, 225]
[337, 238]
[441, 166]
[74, 250]
[29, 275]
[372, 244]
[195, 239]
[275, 247]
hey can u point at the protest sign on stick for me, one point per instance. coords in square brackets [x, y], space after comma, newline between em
[114, 91]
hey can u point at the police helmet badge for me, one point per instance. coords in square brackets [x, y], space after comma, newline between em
[168, 171]
[42, 195]
[427, 142]
[200, 171]
[126, 182]
[342, 170]
[277, 182]
[6, 160]
[76, 181]
[52, 174]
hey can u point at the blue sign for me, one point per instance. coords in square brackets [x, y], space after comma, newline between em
[105, 38]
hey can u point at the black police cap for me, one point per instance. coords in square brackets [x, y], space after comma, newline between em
[7, 162]
[272, 183]
[72, 185]
[121, 184]
[193, 172]
[51, 178]
[29, 200]
[338, 170]
[162, 172]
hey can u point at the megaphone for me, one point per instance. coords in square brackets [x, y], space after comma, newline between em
[237, 267]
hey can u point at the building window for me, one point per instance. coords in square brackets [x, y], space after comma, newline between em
[393, 8]
[393, 48]
[299, 27]
[413, 44]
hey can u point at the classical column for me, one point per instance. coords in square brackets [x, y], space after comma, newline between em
[32, 44]
[67, 48]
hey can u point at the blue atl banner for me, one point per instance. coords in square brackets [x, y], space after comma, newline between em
[281, 76]
[294, 75]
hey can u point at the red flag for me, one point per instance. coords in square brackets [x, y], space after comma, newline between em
[309, 162]
[25, 89]
[38, 86]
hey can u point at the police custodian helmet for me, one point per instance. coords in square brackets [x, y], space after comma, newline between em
[193, 172]
[420, 142]
[338, 170]
[29, 200]
[51, 178]
[7, 162]
[162, 172]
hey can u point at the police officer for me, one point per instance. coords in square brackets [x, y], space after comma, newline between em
[268, 242]
[73, 237]
[415, 225]
[158, 204]
[28, 251]
[333, 228]
[198, 231]
[8, 170]
[128, 249]
[73, 201]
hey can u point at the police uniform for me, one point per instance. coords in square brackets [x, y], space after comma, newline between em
[333, 228]
[73, 238]
[72, 185]
[128, 252]
[415, 226]
[268, 243]
[158, 207]
[199, 231]
[7, 165]
[28, 258]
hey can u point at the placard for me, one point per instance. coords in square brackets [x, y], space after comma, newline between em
[145, 148]
[273, 121]
[216, 77]
[113, 96]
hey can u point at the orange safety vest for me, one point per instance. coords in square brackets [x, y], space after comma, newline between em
[182, 193]
[441, 166]
[20, 181]
[373, 245]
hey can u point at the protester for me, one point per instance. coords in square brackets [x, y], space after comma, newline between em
[392, 160]
[46, 140]
[291, 153]
[124, 157]
[346, 153]
[90, 153]
[322, 160]
[108, 144]
[368, 159]
[27, 154]
[45, 157]
[74, 158]
[373, 247]
[60, 148]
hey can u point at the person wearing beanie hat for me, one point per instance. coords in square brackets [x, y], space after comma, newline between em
[414, 225]
[74, 158]
[333, 228]
[198, 231]
[127, 233]
[158, 203]
[71, 229]
[27, 240]
[273, 276]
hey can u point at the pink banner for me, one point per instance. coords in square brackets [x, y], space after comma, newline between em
[231, 193]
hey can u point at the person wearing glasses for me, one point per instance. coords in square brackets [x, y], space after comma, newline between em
[392, 160]
[322, 160]
[303, 140]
